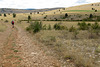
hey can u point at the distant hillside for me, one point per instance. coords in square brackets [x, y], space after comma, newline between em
[9, 10]
[86, 7]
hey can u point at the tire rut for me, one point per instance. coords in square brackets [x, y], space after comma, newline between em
[11, 52]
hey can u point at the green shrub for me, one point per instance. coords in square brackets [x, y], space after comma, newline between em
[78, 23]
[5, 15]
[57, 26]
[83, 26]
[45, 17]
[29, 18]
[76, 33]
[35, 27]
[44, 27]
[0, 14]
[30, 13]
[66, 15]
[72, 29]
[14, 15]
[15, 50]
[28, 28]
[89, 24]
[96, 28]
[95, 25]
[6, 20]
[91, 16]
[49, 27]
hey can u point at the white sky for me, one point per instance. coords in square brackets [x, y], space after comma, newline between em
[39, 4]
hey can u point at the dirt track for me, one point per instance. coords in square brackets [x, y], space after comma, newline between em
[20, 51]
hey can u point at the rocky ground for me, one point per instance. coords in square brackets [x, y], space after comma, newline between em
[19, 50]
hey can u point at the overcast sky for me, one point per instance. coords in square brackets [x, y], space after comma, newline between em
[39, 4]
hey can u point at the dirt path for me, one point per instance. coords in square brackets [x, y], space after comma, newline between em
[21, 51]
[33, 56]
[11, 52]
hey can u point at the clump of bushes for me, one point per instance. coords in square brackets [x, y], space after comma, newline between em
[35, 27]
[83, 26]
[58, 26]
[45, 17]
[92, 28]
[72, 29]
[96, 28]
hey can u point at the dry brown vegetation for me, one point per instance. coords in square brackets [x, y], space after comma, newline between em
[75, 52]
[73, 48]
[2, 27]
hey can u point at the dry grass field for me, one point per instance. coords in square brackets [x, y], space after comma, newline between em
[75, 52]
[2, 27]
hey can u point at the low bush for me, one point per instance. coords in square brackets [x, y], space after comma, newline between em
[83, 26]
[72, 29]
[6, 20]
[58, 26]
[35, 27]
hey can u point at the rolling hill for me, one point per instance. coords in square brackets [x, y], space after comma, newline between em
[85, 7]
[9, 10]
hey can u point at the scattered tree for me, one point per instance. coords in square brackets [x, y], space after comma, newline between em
[30, 13]
[66, 15]
[95, 10]
[91, 16]
[29, 18]
[0, 14]
[5, 15]
[14, 15]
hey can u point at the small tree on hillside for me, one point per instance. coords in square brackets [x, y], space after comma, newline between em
[14, 15]
[91, 16]
[30, 13]
[5, 15]
[29, 18]
[37, 12]
[0, 14]
[45, 17]
[95, 10]
[66, 15]
[92, 5]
